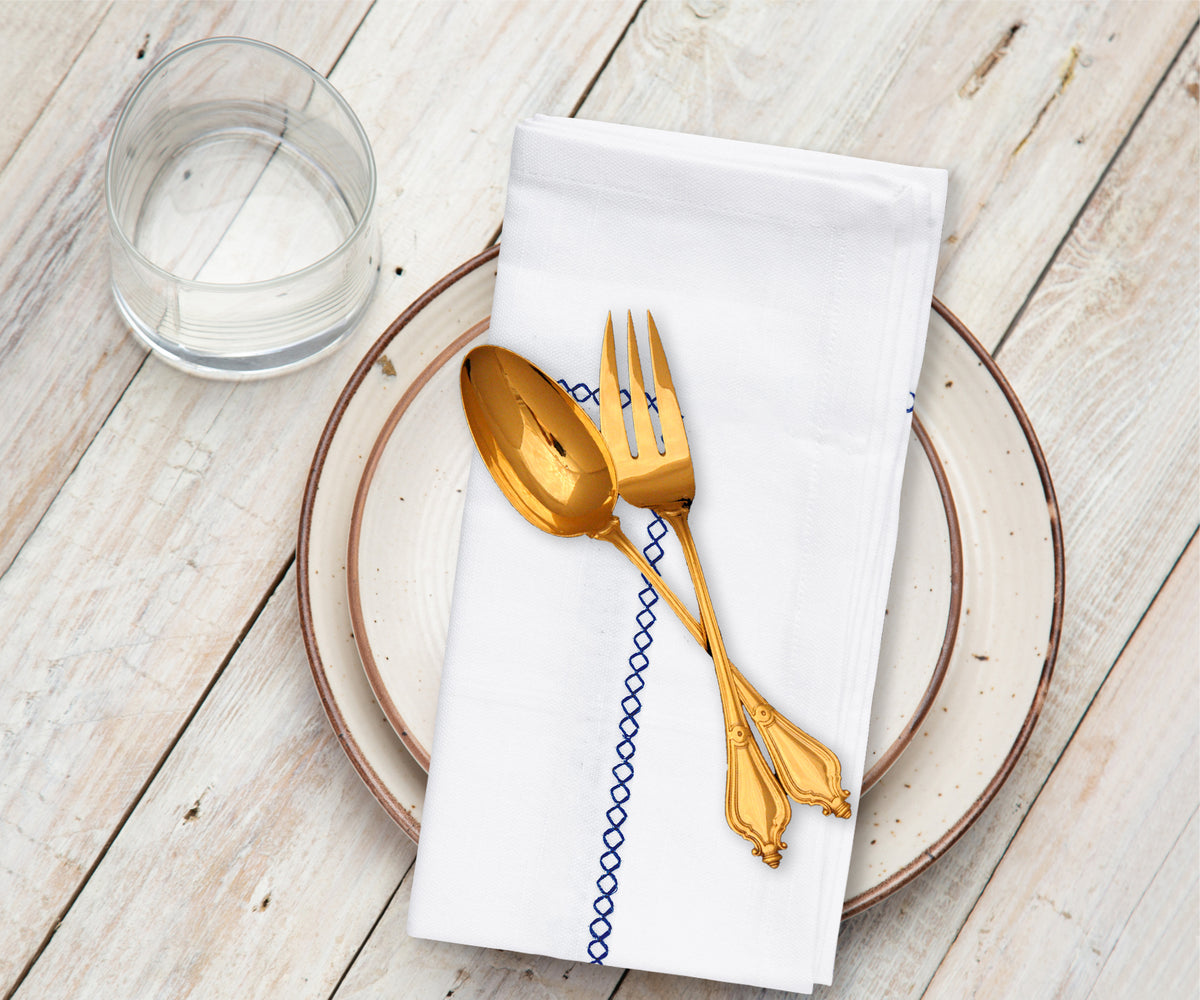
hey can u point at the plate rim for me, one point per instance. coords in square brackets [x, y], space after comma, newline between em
[400, 725]
[403, 818]
[407, 822]
[953, 613]
[901, 877]
[396, 720]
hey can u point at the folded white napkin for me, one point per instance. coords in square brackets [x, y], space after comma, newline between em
[575, 805]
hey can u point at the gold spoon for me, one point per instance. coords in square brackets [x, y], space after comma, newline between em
[549, 460]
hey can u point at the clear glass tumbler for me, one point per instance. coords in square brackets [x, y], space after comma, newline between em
[240, 190]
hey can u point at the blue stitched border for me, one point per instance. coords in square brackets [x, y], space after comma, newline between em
[622, 772]
[584, 393]
[600, 928]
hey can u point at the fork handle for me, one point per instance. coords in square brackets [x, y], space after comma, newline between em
[756, 807]
[807, 769]
[708, 618]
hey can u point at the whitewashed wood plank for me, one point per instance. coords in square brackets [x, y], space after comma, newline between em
[38, 44]
[1026, 121]
[1159, 948]
[64, 355]
[746, 85]
[162, 542]
[255, 850]
[1105, 360]
[1125, 790]
[54, 309]
[394, 965]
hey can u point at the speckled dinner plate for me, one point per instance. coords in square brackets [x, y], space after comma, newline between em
[404, 530]
[393, 459]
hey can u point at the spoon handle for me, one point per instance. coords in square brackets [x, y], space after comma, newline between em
[807, 769]
[756, 807]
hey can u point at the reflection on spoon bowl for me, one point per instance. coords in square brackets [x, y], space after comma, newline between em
[541, 449]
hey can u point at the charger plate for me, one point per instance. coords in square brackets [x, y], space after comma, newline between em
[1011, 594]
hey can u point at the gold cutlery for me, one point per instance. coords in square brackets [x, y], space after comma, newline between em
[756, 807]
[551, 463]
[665, 483]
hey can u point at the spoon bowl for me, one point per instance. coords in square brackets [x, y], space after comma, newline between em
[542, 450]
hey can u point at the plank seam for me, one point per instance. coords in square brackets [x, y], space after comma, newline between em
[370, 933]
[133, 376]
[1041, 787]
[58, 86]
[587, 90]
[120, 825]
[617, 988]
[1037, 283]
[1133, 909]
[70, 472]
[350, 41]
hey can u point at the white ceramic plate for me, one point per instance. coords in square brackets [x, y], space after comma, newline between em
[1012, 578]
[403, 545]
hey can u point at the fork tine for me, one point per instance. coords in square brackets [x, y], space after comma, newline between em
[643, 430]
[612, 423]
[669, 417]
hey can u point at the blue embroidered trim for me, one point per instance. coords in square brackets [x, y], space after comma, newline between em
[584, 393]
[610, 860]
[912, 402]
[631, 705]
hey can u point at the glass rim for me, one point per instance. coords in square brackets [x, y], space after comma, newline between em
[342, 248]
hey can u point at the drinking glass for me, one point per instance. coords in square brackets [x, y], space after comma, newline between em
[240, 188]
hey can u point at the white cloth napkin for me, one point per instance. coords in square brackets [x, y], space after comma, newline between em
[575, 805]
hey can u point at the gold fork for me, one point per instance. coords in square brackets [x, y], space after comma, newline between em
[665, 483]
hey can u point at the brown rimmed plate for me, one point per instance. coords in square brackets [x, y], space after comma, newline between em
[403, 543]
[1011, 594]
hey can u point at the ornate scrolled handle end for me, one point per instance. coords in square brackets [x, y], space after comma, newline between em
[755, 806]
[807, 769]
[770, 854]
[841, 808]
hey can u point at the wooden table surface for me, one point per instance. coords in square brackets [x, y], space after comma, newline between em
[177, 818]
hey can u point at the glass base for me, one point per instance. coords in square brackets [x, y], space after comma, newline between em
[244, 367]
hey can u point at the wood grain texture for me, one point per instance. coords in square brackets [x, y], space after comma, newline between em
[1121, 448]
[161, 544]
[38, 44]
[1104, 359]
[65, 357]
[63, 361]
[911, 943]
[239, 854]
[1158, 948]
[1057, 906]
[1026, 141]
